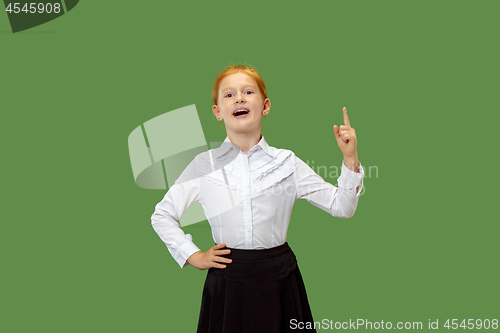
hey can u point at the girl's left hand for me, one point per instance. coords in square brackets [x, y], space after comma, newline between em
[346, 137]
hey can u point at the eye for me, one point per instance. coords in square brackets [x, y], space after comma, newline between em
[250, 92]
[228, 95]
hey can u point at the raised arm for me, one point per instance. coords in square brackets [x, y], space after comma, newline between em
[347, 142]
[338, 202]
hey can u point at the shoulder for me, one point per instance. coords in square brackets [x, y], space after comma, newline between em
[291, 162]
[280, 151]
[281, 155]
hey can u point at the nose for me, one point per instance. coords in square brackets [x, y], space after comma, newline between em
[240, 98]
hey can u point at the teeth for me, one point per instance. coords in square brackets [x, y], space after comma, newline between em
[244, 110]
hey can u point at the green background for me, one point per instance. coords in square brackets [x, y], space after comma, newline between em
[420, 83]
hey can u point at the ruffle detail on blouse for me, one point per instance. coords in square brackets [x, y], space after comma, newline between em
[276, 172]
[282, 158]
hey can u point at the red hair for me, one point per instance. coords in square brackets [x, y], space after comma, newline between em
[238, 69]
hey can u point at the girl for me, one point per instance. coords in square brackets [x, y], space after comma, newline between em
[247, 190]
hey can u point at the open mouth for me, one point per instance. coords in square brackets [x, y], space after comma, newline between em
[240, 113]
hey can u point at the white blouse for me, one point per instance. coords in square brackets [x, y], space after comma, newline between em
[248, 198]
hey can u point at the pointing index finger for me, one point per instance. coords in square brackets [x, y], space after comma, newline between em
[346, 119]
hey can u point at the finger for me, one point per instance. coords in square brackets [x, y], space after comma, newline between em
[219, 246]
[336, 131]
[348, 137]
[221, 252]
[346, 119]
[222, 259]
[347, 131]
[218, 265]
[344, 132]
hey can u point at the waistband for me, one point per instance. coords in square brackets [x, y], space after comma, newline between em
[259, 253]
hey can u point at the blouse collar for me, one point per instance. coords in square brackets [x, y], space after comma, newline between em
[262, 144]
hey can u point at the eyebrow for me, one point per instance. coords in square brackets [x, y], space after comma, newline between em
[248, 85]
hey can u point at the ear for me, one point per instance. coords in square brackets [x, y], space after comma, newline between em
[215, 110]
[267, 105]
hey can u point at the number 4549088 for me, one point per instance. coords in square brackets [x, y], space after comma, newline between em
[34, 7]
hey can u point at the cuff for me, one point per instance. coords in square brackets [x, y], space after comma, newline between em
[185, 250]
[349, 179]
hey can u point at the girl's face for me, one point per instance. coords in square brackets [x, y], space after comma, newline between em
[239, 91]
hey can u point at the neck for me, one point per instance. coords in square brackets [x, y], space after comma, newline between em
[244, 140]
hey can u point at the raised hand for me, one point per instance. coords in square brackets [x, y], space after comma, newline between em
[346, 137]
[209, 259]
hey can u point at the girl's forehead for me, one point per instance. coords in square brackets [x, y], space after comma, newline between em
[236, 79]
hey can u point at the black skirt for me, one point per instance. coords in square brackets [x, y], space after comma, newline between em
[260, 291]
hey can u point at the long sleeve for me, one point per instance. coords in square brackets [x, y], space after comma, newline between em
[339, 202]
[167, 214]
